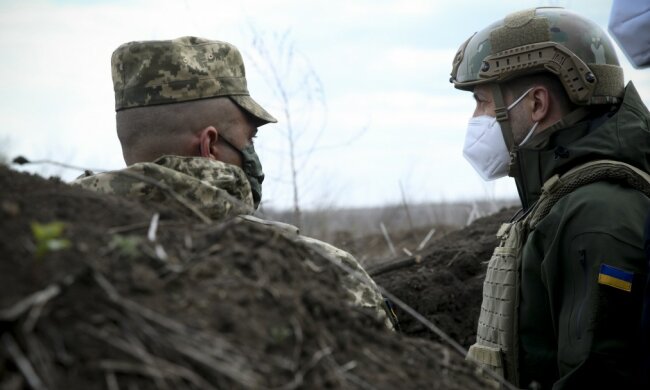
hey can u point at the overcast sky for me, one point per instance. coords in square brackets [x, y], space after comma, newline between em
[386, 117]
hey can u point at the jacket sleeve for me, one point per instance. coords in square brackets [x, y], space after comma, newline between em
[594, 271]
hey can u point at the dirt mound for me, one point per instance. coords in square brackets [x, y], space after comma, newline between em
[89, 298]
[446, 284]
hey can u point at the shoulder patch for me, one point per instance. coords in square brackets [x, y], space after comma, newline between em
[615, 277]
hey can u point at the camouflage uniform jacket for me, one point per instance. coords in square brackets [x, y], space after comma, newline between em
[218, 191]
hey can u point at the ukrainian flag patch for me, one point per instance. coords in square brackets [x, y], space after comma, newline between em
[615, 277]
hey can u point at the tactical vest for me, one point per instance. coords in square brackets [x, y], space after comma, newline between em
[497, 338]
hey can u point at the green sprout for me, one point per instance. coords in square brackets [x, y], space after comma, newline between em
[127, 246]
[48, 237]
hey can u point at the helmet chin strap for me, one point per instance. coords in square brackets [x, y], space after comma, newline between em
[501, 111]
[503, 118]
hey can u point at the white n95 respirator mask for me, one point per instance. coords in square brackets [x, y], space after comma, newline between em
[485, 147]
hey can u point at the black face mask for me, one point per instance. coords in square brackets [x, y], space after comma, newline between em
[252, 167]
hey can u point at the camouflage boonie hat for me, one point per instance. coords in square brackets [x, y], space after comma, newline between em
[147, 73]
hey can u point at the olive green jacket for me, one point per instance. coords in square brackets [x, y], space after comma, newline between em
[576, 328]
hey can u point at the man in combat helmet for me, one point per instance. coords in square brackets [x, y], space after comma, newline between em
[564, 290]
[186, 123]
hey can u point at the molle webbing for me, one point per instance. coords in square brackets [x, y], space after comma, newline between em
[601, 170]
[497, 343]
[508, 36]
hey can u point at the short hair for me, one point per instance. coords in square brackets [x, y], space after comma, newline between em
[163, 129]
[519, 85]
[137, 124]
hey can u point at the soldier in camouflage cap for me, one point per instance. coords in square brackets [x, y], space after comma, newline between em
[186, 123]
[563, 292]
[200, 74]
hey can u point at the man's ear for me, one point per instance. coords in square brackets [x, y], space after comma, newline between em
[540, 104]
[208, 142]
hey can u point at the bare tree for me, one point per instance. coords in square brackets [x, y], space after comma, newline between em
[299, 91]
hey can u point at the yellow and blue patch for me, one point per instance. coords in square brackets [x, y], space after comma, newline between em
[615, 277]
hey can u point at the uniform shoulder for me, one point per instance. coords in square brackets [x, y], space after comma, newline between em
[602, 206]
[605, 197]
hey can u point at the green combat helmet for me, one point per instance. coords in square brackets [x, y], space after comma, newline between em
[539, 40]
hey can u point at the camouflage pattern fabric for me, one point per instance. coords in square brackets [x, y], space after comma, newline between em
[362, 293]
[219, 191]
[148, 73]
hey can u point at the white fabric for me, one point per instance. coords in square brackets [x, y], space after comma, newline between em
[485, 148]
[629, 23]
